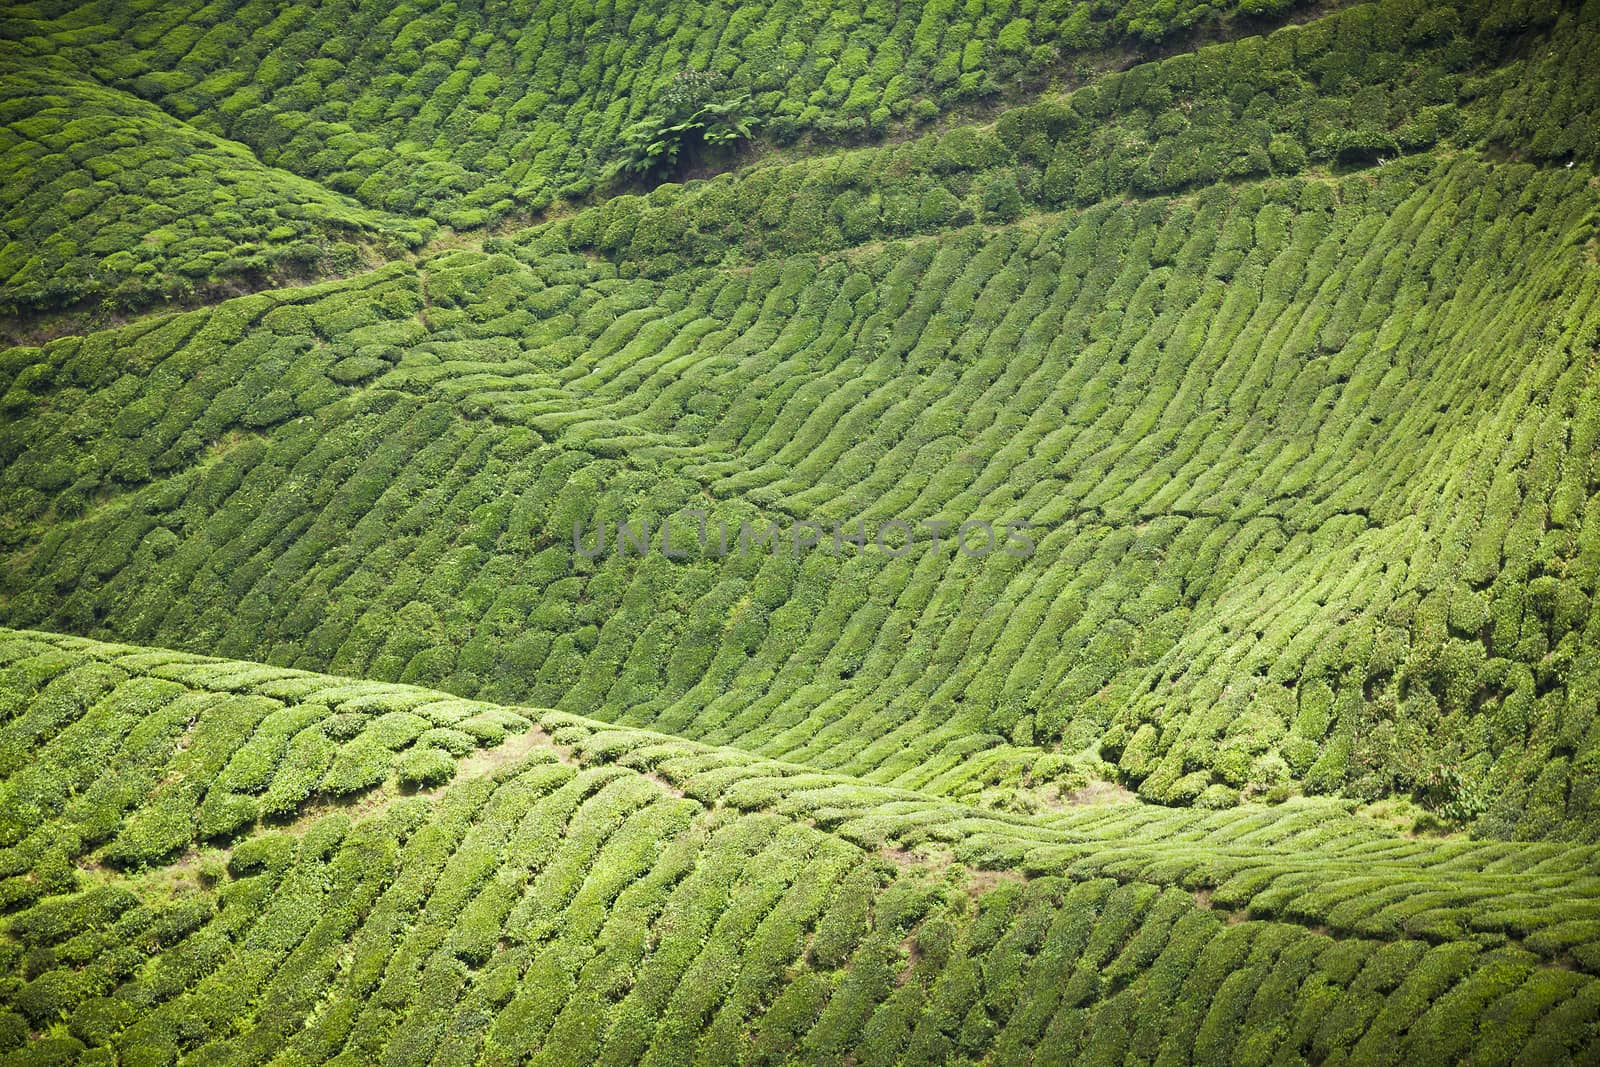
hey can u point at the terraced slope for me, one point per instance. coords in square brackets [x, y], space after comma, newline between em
[1298, 524]
[107, 200]
[1119, 583]
[468, 111]
[460, 117]
[1329, 97]
[584, 894]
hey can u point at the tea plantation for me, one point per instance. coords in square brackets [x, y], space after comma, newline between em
[109, 199]
[183, 880]
[990, 533]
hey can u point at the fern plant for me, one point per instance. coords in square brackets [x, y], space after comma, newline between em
[689, 121]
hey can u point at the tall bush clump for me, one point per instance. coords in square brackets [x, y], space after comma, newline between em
[691, 122]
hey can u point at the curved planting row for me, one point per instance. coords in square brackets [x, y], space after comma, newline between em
[634, 898]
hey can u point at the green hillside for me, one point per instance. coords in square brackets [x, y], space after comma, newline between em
[107, 200]
[1291, 530]
[466, 112]
[1072, 536]
[584, 894]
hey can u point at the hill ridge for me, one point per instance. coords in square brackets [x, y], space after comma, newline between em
[1062, 841]
[518, 897]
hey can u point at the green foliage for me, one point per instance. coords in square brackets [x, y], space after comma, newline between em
[1277, 747]
[607, 902]
[468, 116]
[1184, 612]
[691, 122]
[425, 767]
[1249, 109]
[109, 201]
